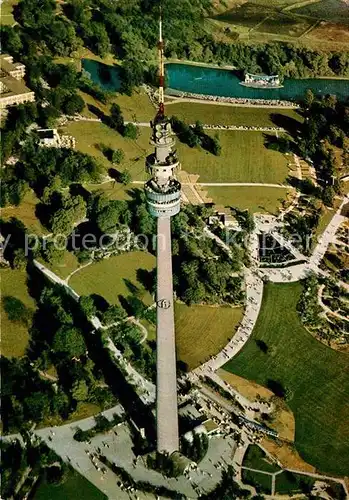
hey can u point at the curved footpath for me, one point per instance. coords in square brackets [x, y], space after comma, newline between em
[254, 293]
[134, 377]
[254, 285]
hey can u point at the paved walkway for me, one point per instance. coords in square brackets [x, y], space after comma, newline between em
[326, 309]
[254, 293]
[327, 236]
[146, 389]
[117, 446]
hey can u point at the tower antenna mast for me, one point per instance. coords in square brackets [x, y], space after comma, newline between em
[161, 67]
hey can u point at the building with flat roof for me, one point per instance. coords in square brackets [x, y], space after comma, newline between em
[13, 90]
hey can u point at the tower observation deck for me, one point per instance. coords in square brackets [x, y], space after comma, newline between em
[163, 194]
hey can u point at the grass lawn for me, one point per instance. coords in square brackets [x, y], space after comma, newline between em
[14, 334]
[113, 190]
[6, 9]
[316, 375]
[256, 199]
[90, 134]
[134, 108]
[325, 218]
[115, 277]
[66, 266]
[26, 213]
[258, 479]
[329, 10]
[286, 20]
[151, 329]
[228, 115]
[244, 158]
[289, 483]
[202, 331]
[255, 458]
[75, 486]
[84, 410]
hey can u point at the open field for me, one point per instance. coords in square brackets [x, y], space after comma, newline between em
[283, 418]
[26, 213]
[316, 375]
[115, 277]
[84, 410]
[255, 458]
[287, 454]
[75, 486]
[89, 135]
[256, 199]
[288, 483]
[6, 9]
[244, 158]
[338, 33]
[134, 108]
[284, 25]
[330, 10]
[64, 267]
[14, 334]
[113, 190]
[325, 218]
[202, 331]
[286, 20]
[262, 481]
[214, 114]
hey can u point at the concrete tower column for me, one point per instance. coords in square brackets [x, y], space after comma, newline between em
[166, 402]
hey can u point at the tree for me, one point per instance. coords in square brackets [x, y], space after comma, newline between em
[194, 295]
[87, 305]
[80, 390]
[117, 156]
[73, 104]
[132, 75]
[52, 254]
[15, 309]
[216, 147]
[125, 177]
[19, 259]
[37, 406]
[116, 119]
[131, 131]
[113, 314]
[144, 221]
[328, 195]
[309, 98]
[108, 219]
[69, 340]
[56, 474]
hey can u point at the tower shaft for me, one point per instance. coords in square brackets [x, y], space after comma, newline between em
[166, 387]
[163, 193]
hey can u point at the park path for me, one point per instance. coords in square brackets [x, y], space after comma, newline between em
[327, 236]
[144, 386]
[177, 99]
[326, 309]
[231, 184]
[241, 128]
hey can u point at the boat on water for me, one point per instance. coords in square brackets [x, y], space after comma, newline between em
[262, 81]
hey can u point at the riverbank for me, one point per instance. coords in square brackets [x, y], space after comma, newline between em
[201, 64]
[229, 101]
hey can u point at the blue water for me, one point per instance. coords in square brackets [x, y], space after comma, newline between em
[107, 77]
[221, 82]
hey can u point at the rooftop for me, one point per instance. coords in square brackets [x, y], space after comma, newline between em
[12, 86]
